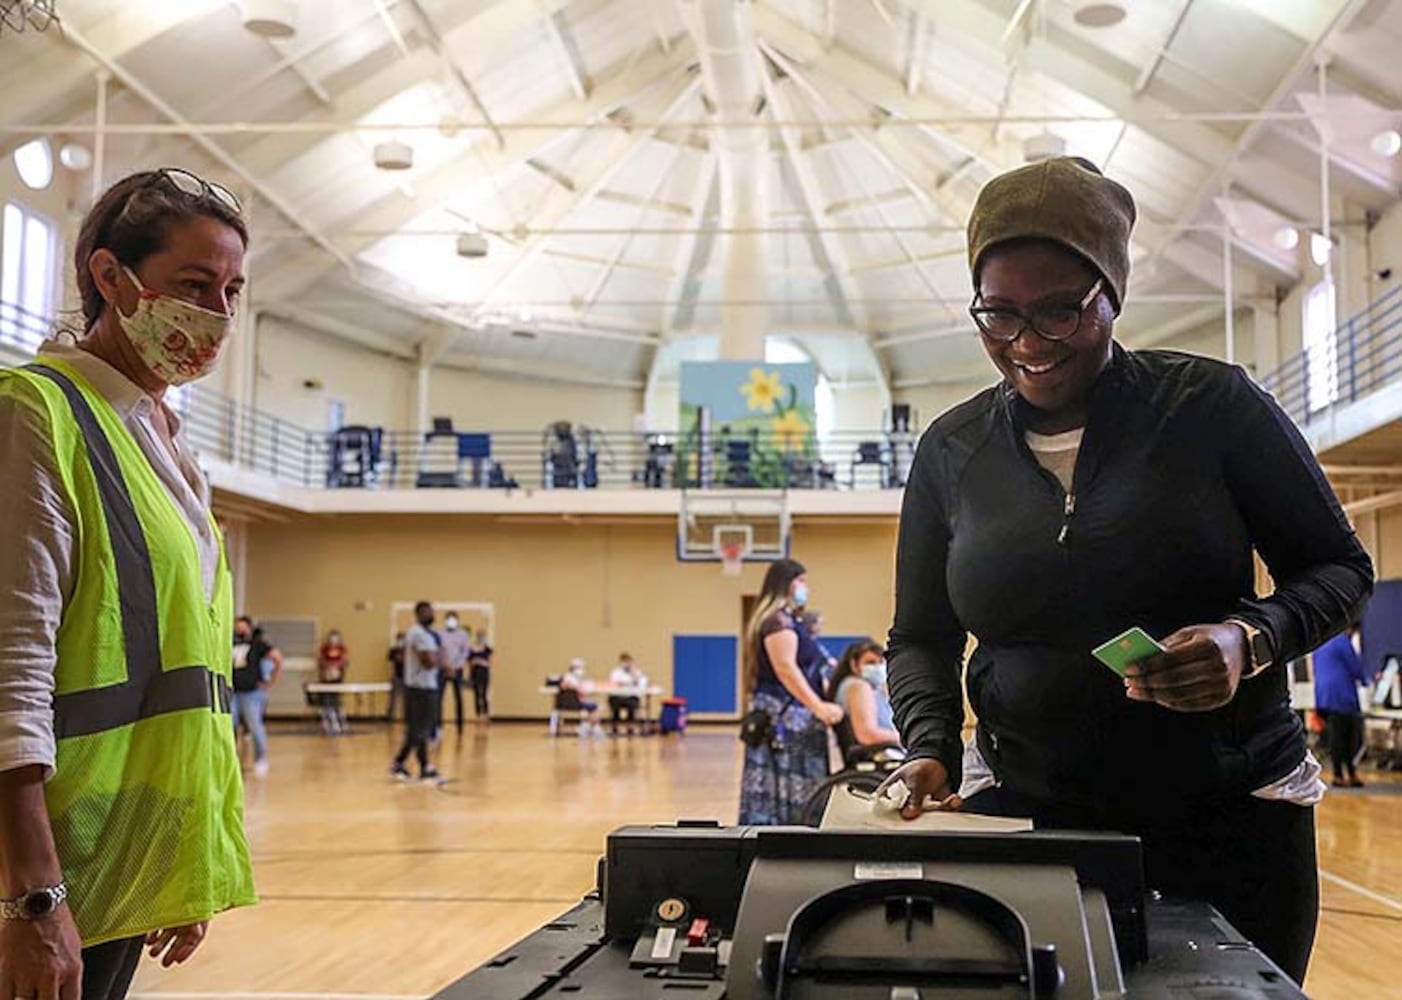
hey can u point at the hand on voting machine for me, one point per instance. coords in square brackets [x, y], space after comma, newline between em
[853, 809]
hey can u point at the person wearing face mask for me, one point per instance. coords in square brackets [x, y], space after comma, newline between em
[257, 663]
[859, 687]
[332, 662]
[116, 610]
[576, 679]
[785, 731]
[1094, 490]
[456, 643]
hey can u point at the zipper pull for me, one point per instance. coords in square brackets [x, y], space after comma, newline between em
[1068, 509]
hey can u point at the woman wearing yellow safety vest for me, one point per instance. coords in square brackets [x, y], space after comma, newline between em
[121, 806]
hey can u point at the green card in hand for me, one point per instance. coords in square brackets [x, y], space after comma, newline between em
[1128, 647]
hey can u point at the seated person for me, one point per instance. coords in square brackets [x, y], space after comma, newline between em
[628, 683]
[859, 688]
[576, 680]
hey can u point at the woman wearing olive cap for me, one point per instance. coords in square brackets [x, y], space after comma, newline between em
[1097, 489]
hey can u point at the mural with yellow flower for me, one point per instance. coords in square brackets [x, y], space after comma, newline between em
[758, 422]
[763, 391]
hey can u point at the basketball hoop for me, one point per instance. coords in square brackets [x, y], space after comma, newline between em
[732, 543]
[732, 558]
[19, 15]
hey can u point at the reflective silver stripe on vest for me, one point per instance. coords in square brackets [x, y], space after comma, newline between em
[148, 690]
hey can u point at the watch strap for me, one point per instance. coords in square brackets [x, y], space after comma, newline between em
[1257, 646]
[19, 908]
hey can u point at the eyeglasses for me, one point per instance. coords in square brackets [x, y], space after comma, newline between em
[195, 186]
[1048, 322]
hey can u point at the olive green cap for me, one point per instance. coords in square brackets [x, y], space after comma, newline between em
[1065, 199]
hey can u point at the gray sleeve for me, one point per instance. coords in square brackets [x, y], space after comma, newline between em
[35, 581]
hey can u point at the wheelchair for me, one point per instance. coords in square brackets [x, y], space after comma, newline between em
[864, 768]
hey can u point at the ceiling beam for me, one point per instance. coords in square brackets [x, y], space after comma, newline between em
[1380, 183]
[46, 84]
[1216, 179]
[447, 182]
[601, 169]
[841, 287]
[565, 50]
[606, 272]
[915, 51]
[451, 66]
[693, 252]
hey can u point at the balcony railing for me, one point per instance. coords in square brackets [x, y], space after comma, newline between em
[21, 330]
[1364, 354]
[565, 456]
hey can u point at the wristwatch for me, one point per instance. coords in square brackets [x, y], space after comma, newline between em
[1259, 645]
[34, 905]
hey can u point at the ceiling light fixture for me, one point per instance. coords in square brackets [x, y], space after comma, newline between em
[1099, 15]
[1320, 248]
[394, 155]
[75, 156]
[1286, 238]
[1387, 143]
[270, 18]
[472, 245]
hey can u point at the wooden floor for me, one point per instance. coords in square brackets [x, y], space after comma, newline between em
[373, 890]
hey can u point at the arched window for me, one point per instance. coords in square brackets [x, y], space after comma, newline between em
[781, 351]
[35, 163]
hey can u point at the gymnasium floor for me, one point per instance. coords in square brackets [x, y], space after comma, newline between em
[378, 891]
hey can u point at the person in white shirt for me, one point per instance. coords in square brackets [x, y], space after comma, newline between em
[577, 680]
[457, 642]
[159, 268]
[628, 684]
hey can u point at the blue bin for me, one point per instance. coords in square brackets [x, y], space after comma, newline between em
[673, 718]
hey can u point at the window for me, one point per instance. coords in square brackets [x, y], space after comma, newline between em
[785, 352]
[28, 257]
[34, 162]
[1321, 346]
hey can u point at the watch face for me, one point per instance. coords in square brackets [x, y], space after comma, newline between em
[39, 904]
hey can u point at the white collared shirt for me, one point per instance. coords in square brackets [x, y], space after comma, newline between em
[36, 559]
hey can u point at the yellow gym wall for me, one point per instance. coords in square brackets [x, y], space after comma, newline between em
[560, 590]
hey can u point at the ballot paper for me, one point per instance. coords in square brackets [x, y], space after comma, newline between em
[849, 811]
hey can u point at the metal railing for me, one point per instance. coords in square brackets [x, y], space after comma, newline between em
[21, 330]
[1364, 354]
[565, 456]
[590, 458]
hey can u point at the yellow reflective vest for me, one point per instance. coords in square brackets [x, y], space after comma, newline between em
[146, 801]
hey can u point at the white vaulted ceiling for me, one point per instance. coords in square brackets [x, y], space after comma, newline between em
[577, 137]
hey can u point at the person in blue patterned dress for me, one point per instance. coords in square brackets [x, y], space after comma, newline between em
[782, 678]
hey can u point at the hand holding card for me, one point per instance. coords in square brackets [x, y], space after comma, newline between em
[1130, 646]
[1198, 670]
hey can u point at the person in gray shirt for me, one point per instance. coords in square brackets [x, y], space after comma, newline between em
[422, 664]
[456, 641]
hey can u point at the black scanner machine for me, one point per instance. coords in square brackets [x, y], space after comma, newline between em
[699, 911]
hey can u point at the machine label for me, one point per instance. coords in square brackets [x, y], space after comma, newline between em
[662, 944]
[869, 871]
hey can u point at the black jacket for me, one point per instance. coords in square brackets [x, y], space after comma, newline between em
[1185, 466]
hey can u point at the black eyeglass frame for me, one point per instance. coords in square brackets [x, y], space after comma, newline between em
[1029, 320]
